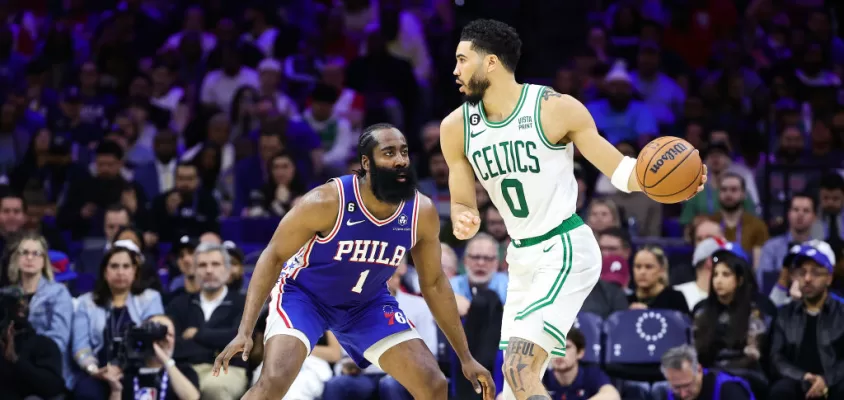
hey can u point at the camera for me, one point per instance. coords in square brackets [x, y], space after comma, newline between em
[137, 345]
[10, 305]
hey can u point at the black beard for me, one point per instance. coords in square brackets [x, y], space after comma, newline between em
[476, 89]
[386, 186]
[731, 207]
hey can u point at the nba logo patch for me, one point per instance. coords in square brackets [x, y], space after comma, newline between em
[402, 220]
[146, 394]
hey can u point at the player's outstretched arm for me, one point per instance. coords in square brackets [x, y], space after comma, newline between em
[564, 119]
[465, 217]
[437, 292]
[317, 212]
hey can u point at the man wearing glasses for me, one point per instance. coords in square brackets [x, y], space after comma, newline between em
[808, 334]
[482, 264]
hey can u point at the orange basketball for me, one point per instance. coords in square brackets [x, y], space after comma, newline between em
[668, 169]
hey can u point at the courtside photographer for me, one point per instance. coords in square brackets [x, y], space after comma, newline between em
[148, 370]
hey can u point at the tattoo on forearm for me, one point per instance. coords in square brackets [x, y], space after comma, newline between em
[549, 93]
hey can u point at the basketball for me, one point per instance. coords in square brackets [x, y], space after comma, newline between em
[668, 169]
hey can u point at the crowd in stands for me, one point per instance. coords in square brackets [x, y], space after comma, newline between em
[148, 149]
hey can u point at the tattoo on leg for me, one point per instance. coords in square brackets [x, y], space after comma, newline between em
[515, 368]
[519, 356]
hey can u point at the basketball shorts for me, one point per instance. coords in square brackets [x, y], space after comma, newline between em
[366, 331]
[550, 277]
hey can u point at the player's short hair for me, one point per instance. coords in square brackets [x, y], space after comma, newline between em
[367, 143]
[494, 37]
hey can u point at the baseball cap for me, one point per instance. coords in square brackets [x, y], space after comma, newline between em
[736, 249]
[234, 251]
[816, 250]
[184, 242]
[706, 248]
[615, 269]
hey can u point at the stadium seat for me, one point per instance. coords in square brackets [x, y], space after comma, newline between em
[258, 229]
[636, 339]
[671, 227]
[769, 280]
[231, 229]
[591, 326]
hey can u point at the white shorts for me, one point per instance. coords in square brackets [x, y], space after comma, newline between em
[550, 278]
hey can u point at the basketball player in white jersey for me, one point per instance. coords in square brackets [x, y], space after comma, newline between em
[518, 139]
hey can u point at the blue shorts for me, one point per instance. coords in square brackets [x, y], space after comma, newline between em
[296, 313]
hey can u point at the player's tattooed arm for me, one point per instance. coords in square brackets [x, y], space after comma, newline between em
[564, 120]
[523, 368]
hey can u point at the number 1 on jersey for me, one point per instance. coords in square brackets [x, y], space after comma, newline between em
[359, 286]
[520, 208]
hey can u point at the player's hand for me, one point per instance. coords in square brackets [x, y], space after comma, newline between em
[481, 379]
[703, 173]
[466, 225]
[240, 343]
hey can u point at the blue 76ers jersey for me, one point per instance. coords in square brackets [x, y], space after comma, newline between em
[352, 264]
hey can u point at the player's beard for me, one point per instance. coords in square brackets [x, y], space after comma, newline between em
[475, 89]
[387, 188]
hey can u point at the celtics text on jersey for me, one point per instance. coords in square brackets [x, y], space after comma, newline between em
[529, 180]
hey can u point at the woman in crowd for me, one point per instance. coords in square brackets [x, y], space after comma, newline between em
[730, 328]
[650, 273]
[117, 303]
[602, 214]
[50, 304]
[149, 272]
[284, 186]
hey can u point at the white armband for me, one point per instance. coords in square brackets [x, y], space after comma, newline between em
[621, 176]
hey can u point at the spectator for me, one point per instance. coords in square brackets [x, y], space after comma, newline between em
[608, 294]
[688, 380]
[493, 224]
[349, 104]
[48, 303]
[202, 332]
[567, 378]
[160, 374]
[650, 273]
[661, 93]
[12, 217]
[259, 32]
[102, 317]
[31, 366]
[602, 214]
[805, 332]
[220, 85]
[88, 198]
[730, 326]
[436, 187]
[697, 290]
[185, 210]
[717, 160]
[185, 281]
[157, 177]
[643, 215]
[481, 261]
[620, 117]
[270, 75]
[614, 241]
[284, 187]
[738, 226]
[801, 219]
[829, 218]
[449, 261]
[37, 207]
[335, 132]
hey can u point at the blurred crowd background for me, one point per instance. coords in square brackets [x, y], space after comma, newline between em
[148, 148]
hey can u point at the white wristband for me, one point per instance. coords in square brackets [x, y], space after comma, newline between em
[621, 176]
[170, 363]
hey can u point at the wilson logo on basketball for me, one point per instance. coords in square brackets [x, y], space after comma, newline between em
[669, 155]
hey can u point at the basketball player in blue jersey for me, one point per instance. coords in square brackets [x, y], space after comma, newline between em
[343, 242]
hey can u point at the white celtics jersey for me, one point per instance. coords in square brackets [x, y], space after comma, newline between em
[530, 180]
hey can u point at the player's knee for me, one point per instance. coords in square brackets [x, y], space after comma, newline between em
[438, 386]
